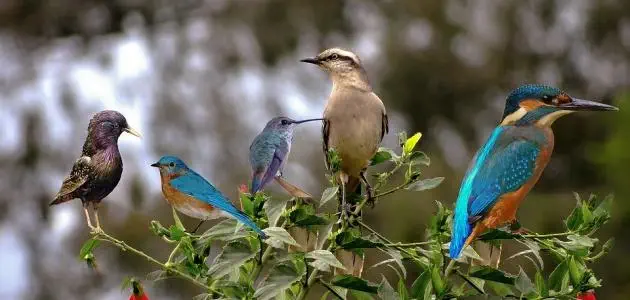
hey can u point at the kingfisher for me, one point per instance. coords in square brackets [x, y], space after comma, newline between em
[511, 161]
[97, 172]
[269, 152]
[194, 196]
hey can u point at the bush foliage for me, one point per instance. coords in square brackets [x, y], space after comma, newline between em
[281, 267]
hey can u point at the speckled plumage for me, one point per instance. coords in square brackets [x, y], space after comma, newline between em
[511, 161]
[193, 195]
[97, 172]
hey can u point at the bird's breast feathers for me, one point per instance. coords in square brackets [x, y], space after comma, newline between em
[188, 205]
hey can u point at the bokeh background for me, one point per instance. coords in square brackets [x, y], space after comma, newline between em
[200, 78]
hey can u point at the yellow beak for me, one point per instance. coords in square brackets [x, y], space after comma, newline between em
[133, 132]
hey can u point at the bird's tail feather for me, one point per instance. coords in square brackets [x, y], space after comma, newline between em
[60, 199]
[241, 216]
[461, 231]
[292, 189]
[255, 185]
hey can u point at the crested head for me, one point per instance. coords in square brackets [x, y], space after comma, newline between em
[343, 65]
[537, 104]
[105, 127]
[170, 164]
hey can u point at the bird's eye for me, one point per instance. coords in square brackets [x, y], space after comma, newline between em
[284, 122]
[547, 99]
[334, 56]
[107, 124]
[172, 164]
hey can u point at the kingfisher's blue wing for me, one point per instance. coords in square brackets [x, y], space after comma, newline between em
[504, 164]
[194, 185]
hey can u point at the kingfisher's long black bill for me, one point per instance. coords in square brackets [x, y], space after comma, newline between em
[586, 105]
[155, 165]
[308, 120]
[310, 60]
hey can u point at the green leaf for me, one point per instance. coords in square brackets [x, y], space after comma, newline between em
[178, 222]
[358, 295]
[574, 220]
[541, 286]
[280, 278]
[303, 217]
[523, 284]
[386, 292]
[324, 259]
[576, 270]
[322, 234]
[501, 289]
[411, 142]
[491, 274]
[421, 287]
[419, 158]
[438, 283]
[247, 204]
[87, 248]
[274, 208]
[328, 195]
[402, 290]
[234, 254]
[559, 278]
[354, 283]
[278, 236]
[353, 240]
[383, 155]
[397, 257]
[176, 233]
[425, 184]
[224, 231]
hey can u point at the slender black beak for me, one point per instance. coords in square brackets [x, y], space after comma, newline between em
[307, 120]
[311, 60]
[156, 165]
[579, 104]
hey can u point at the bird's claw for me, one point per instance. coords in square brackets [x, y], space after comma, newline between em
[371, 200]
[516, 228]
[95, 230]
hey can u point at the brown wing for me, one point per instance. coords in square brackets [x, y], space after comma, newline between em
[384, 125]
[78, 177]
[325, 134]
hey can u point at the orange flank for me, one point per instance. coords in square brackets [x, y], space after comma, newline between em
[185, 203]
[504, 210]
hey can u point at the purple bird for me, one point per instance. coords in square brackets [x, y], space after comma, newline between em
[268, 154]
[97, 172]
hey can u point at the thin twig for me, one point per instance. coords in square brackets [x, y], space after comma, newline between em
[170, 257]
[549, 235]
[101, 235]
[408, 245]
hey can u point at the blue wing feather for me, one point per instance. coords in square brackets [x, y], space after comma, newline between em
[263, 174]
[194, 185]
[502, 165]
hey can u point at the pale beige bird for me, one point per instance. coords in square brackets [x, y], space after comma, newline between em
[355, 118]
[355, 122]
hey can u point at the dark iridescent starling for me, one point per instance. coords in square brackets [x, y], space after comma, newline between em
[97, 172]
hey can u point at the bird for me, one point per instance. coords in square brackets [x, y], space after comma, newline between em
[269, 153]
[97, 172]
[137, 291]
[509, 164]
[194, 196]
[355, 119]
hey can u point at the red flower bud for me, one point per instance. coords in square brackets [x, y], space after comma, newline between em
[588, 295]
[138, 291]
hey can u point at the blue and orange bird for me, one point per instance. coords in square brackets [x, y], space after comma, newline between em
[511, 161]
[97, 172]
[269, 152]
[194, 196]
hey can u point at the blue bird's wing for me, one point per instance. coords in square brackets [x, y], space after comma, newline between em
[194, 185]
[504, 164]
[267, 160]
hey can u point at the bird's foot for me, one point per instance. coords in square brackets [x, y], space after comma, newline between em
[516, 228]
[95, 230]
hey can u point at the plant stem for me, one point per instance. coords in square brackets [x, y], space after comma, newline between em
[549, 235]
[170, 257]
[449, 268]
[407, 245]
[392, 190]
[101, 235]
[387, 241]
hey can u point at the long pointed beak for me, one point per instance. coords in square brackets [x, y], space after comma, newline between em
[156, 165]
[132, 132]
[579, 104]
[308, 120]
[311, 60]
